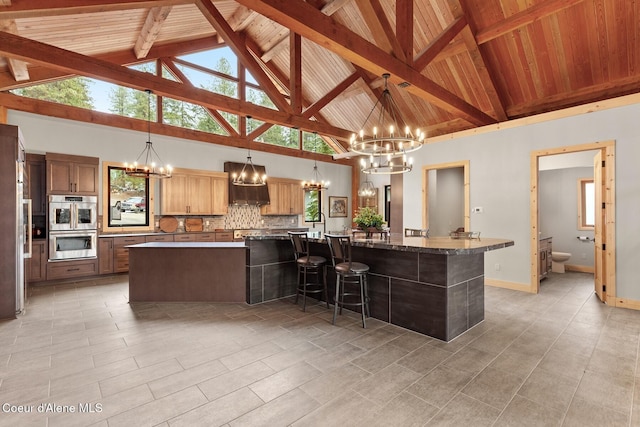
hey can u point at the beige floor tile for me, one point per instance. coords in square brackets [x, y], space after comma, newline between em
[493, 387]
[470, 360]
[383, 386]
[612, 392]
[525, 413]
[342, 380]
[440, 385]
[424, 359]
[250, 355]
[186, 378]
[234, 380]
[465, 411]
[585, 414]
[140, 376]
[336, 357]
[345, 410]
[405, 410]
[282, 411]
[294, 355]
[564, 363]
[379, 358]
[284, 381]
[549, 389]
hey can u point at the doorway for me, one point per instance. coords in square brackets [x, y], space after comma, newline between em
[604, 230]
[457, 193]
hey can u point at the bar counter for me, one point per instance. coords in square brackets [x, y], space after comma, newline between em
[434, 286]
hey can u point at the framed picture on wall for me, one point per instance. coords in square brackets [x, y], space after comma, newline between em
[337, 207]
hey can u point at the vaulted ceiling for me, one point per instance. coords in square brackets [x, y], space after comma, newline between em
[454, 64]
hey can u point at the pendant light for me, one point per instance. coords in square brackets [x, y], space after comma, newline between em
[249, 176]
[384, 143]
[152, 167]
[316, 182]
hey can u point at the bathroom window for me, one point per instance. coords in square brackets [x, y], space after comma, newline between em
[586, 204]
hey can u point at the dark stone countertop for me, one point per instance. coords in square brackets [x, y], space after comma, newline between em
[432, 245]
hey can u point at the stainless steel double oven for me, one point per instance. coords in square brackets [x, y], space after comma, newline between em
[73, 227]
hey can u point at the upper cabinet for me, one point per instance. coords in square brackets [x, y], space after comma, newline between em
[68, 174]
[285, 197]
[36, 173]
[194, 193]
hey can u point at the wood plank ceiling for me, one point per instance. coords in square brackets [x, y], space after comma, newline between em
[454, 64]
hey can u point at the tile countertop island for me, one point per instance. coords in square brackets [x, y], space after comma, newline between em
[434, 286]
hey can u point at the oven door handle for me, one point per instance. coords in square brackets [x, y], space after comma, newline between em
[29, 228]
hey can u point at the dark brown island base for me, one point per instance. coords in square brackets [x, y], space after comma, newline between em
[187, 271]
[434, 286]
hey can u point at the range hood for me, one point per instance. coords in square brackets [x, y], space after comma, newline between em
[239, 195]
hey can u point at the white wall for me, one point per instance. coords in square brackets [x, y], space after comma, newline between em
[446, 200]
[46, 134]
[499, 182]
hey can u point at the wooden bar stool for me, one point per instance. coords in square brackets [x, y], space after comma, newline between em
[308, 265]
[351, 277]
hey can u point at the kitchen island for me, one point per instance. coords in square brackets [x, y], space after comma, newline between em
[434, 286]
[187, 271]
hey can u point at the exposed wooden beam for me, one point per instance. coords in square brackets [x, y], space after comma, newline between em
[215, 115]
[329, 9]
[295, 72]
[74, 63]
[330, 96]
[241, 18]
[40, 74]
[437, 45]
[404, 28]
[17, 68]
[35, 9]
[526, 17]
[376, 20]
[238, 46]
[150, 30]
[300, 17]
[52, 109]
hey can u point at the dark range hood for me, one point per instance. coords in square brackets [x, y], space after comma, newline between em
[239, 195]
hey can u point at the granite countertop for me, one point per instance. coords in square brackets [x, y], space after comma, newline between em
[434, 245]
[182, 245]
[153, 233]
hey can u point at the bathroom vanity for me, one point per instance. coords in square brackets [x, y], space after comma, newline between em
[544, 252]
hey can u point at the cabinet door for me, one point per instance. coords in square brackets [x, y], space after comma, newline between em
[297, 206]
[174, 195]
[220, 195]
[184, 237]
[86, 179]
[59, 177]
[200, 195]
[274, 200]
[105, 255]
[121, 252]
[36, 172]
[284, 198]
[36, 265]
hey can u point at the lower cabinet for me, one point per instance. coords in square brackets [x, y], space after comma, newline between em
[69, 269]
[37, 264]
[206, 237]
[121, 252]
[224, 236]
[105, 255]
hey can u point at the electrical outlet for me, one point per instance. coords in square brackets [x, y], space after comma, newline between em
[497, 267]
[181, 223]
[477, 210]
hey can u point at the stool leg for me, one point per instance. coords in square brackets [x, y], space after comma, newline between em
[298, 285]
[366, 294]
[362, 300]
[304, 292]
[324, 284]
[336, 301]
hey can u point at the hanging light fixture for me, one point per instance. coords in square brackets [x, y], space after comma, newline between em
[249, 176]
[316, 182]
[152, 166]
[367, 189]
[387, 145]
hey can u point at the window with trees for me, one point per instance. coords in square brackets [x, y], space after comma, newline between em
[128, 199]
[586, 204]
[312, 205]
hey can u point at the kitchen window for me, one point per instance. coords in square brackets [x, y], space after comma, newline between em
[312, 205]
[127, 203]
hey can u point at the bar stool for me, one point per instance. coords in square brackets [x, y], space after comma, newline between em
[348, 274]
[308, 265]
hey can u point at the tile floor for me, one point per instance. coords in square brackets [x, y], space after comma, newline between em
[81, 355]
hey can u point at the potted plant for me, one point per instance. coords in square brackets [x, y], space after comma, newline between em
[367, 219]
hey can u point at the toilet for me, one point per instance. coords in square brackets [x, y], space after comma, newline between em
[557, 261]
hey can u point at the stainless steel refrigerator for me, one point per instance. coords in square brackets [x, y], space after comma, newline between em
[15, 222]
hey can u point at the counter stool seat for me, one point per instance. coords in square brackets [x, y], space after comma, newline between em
[308, 265]
[351, 280]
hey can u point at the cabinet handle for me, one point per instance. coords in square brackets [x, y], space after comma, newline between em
[73, 269]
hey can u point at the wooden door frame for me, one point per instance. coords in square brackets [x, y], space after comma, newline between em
[464, 164]
[608, 153]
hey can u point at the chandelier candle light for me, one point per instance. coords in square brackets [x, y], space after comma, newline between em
[387, 146]
[316, 183]
[249, 176]
[152, 166]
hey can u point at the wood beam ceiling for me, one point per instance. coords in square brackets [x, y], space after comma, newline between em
[150, 30]
[302, 18]
[71, 62]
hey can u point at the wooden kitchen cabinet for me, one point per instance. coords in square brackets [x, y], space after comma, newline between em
[285, 196]
[36, 184]
[68, 174]
[105, 255]
[58, 270]
[184, 237]
[121, 252]
[544, 252]
[205, 237]
[194, 193]
[224, 236]
[37, 264]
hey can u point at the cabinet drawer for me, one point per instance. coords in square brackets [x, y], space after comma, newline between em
[206, 237]
[126, 241]
[65, 269]
[184, 237]
[224, 237]
[160, 238]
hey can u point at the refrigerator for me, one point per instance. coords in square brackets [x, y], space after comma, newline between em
[15, 222]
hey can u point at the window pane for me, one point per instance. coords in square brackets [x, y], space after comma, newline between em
[128, 199]
[589, 204]
[312, 205]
